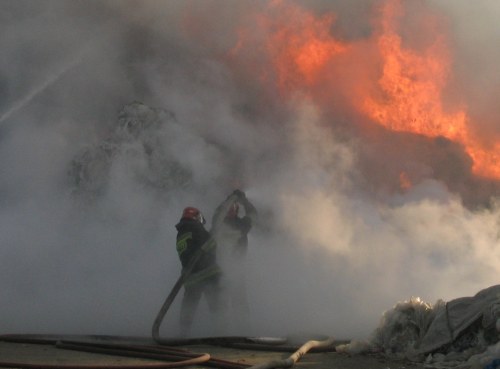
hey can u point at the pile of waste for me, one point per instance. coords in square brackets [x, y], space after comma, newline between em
[464, 332]
[141, 141]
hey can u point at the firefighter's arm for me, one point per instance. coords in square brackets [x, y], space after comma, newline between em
[209, 245]
[196, 254]
[250, 210]
[221, 211]
[184, 247]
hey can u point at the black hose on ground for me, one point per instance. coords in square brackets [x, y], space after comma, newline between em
[145, 352]
[155, 352]
[105, 345]
[25, 365]
[189, 362]
[52, 339]
[228, 341]
[122, 351]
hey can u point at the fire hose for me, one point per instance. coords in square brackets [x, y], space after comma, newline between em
[6, 364]
[234, 341]
[176, 357]
[240, 342]
[171, 297]
[186, 272]
[297, 355]
[200, 359]
[150, 352]
[180, 357]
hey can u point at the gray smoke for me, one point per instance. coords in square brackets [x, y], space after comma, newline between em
[115, 115]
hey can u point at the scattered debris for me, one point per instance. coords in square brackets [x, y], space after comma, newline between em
[461, 332]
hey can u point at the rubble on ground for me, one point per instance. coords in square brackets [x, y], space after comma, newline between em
[461, 332]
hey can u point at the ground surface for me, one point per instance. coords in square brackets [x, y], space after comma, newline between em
[50, 355]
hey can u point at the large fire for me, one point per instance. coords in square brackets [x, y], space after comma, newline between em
[411, 84]
[407, 94]
[301, 46]
[297, 44]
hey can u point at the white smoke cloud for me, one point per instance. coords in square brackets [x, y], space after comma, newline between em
[326, 250]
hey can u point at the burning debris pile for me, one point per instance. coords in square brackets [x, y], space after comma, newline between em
[396, 80]
[137, 142]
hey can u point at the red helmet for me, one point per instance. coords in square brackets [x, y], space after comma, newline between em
[233, 210]
[193, 213]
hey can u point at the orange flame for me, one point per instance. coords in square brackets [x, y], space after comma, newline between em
[408, 95]
[404, 181]
[298, 44]
[301, 46]
[486, 161]
[412, 85]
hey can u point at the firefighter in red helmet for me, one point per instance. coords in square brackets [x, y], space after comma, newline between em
[231, 233]
[205, 275]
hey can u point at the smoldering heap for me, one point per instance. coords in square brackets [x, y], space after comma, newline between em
[140, 141]
[463, 331]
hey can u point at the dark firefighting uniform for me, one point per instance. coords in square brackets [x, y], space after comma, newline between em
[231, 234]
[205, 276]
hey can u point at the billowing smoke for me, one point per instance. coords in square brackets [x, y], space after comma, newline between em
[115, 115]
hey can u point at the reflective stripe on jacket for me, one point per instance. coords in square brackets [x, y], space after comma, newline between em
[202, 275]
[191, 238]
